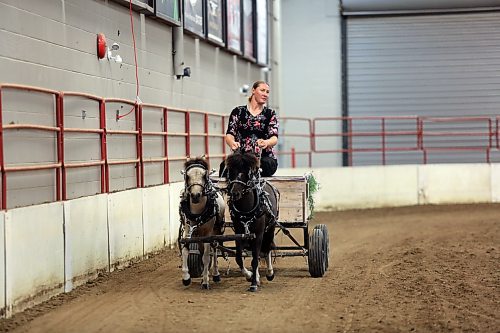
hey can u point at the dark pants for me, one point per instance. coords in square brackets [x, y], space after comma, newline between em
[268, 165]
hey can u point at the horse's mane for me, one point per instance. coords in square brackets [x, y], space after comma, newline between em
[196, 160]
[242, 161]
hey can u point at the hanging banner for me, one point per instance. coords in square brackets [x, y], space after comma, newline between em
[248, 28]
[215, 25]
[168, 10]
[193, 17]
[262, 36]
[234, 25]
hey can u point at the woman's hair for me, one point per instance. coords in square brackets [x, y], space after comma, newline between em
[255, 85]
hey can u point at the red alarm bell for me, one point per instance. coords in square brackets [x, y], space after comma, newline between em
[101, 46]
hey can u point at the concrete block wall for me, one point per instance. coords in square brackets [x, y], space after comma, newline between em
[63, 55]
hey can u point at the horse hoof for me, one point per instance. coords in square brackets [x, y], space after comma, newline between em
[253, 288]
[186, 282]
[216, 278]
[270, 277]
[205, 286]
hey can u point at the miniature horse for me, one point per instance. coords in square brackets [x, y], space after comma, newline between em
[201, 211]
[253, 206]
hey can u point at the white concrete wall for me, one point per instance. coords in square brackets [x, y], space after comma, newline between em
[403, 185]
[495, 182]
[34, 249]
[53, 247]
[175, 190]
[86, 239]
[126, 238]
[155, 216]
[2, 262]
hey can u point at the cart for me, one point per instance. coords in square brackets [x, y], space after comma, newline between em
[293, 222]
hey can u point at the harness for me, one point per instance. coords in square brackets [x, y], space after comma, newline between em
[211, 207]
[262, 203]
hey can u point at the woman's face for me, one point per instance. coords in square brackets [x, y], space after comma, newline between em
[261, 93]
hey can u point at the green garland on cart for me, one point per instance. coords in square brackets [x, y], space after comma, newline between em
[313, 187]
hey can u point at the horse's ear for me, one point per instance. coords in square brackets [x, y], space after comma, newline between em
[204, 157]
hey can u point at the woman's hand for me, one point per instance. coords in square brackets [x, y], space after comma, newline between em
[231, 142]
[263, 143]
[234, 145]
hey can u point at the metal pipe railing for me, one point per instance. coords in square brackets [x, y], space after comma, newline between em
[372, 134]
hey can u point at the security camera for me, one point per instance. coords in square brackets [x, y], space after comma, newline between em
[116, 58]
[244, 89]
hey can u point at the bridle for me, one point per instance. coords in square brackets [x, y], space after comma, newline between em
[211, 207]
[205, 187]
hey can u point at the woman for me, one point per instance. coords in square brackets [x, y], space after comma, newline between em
[254, 127]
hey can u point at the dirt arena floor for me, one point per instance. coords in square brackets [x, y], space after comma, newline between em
[410, 269]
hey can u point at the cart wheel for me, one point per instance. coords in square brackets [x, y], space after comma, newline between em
[317, 254]
[195, 263]
[326, 241]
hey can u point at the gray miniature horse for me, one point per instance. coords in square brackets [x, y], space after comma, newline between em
[253, 206]
[201, 211]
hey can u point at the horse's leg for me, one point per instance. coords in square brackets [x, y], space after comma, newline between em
[215, 268]
[186, 278]
[269, 270]
[206, 263]
[255, 263]
[239, 261]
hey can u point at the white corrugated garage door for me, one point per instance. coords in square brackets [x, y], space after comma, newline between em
[445, 64]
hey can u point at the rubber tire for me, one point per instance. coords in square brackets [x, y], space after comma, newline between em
[326, 241]
[195, 262]
[316, 255]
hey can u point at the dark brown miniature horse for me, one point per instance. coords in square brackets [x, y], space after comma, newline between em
[253, 206]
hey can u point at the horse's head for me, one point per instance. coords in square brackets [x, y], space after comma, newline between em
[196, 178]
[242, 169]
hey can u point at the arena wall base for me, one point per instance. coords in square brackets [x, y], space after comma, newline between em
[174, 219]
[454, 183]
[2, 264]
[155, 218]
[54, 247]
[402, 185]
[34, 261]
[86, 239]
[126, 238]
[495, 182]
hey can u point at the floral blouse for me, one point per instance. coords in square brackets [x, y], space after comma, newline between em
[247, 129]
